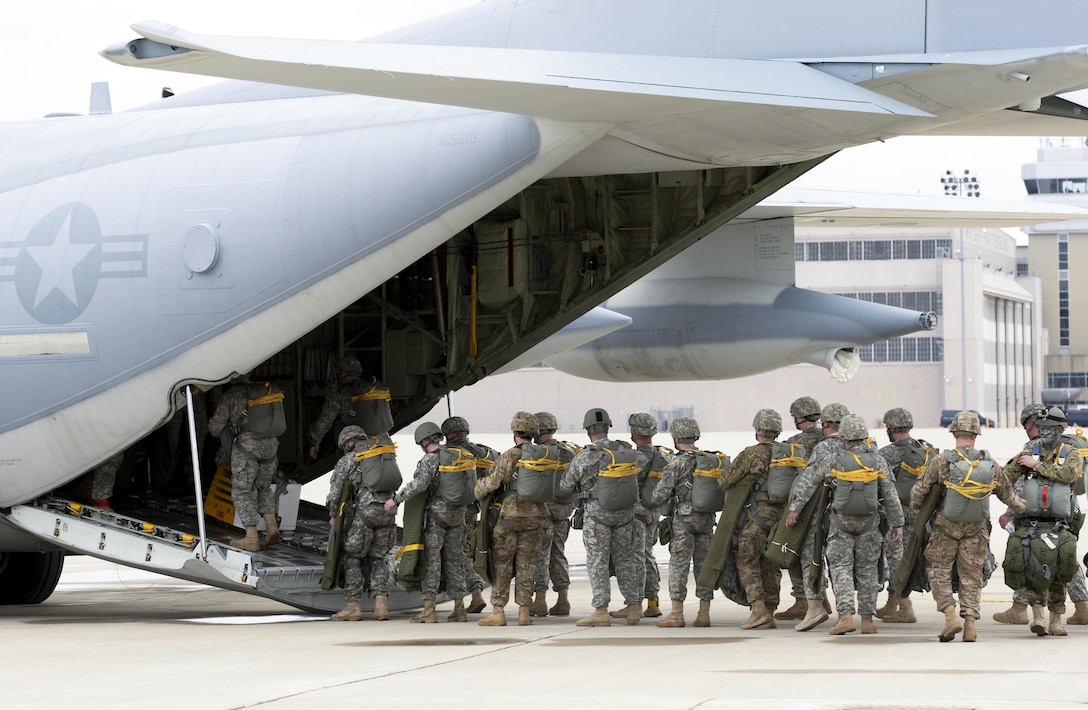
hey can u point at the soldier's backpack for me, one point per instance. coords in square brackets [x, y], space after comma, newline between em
[1038, 556]
[1077, 441]
[855, 482]
[706, 495]
[970, 483]
[535, 478]
[662, 456]
[264, 410]
[370, 408]
[787, 462]
[617, 481]
[567, 452]
[912, 467]
[376, 461]
[456, 476]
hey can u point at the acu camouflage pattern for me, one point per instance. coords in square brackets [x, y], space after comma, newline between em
[963, 545]
[691, 531]
[804, 407]
[893, 454]
[551, 561]
[609, 535]
[253, 461]
[898, 418]
[642, 424]
[760, 579]
[648, 517]
[104, 477]
[371, 531]
[833, 413]
[808, 438]
[819, 467]
[684, 428]
[852, 428]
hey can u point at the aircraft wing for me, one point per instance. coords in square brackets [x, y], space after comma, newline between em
[812, 207]
[574, 86]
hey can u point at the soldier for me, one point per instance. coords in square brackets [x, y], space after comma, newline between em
[907, 458]
[516, 538]
[448, 480]
[859, 477]
[373, 529]
[806, 414]
[1048, 468]
[606, 478]
[102, 481]
[551, 562]
[961, 528]
[762, 581]
[691, 529]
[355, 401]
[456, 430]
[823, 456]
[643, 427]
[255, 414]
[1078, 591]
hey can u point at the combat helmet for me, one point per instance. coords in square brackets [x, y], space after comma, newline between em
[455, 424]
[833, 413]
[1032, 411]
[349, 364]
[852, 428]
[525, 423]
[965, 422]
[898, 418]
[427, 430]
[642, 424]
[804, 407]
[348, 434]
[684, 428]
[547, 421]
[767, 420]
[594, 417]
[1052, 417]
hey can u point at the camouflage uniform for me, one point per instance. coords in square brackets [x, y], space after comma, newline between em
[609, 535]
[516, 537]
[965, 545]
[338, 406]
[104, 476]
[551, 561]
[644, 459]
[807, 438]
[761, 580]
[372, 533]
[485, 457]
[853, 546]
[252, 461]
[893, 454]
[814, 475]
[444, 533]
[691, 531]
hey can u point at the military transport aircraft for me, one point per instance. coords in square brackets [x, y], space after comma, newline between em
[435, 201]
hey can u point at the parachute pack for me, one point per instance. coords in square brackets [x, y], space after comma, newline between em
[456, 476]
[535, 478]
[370, 408]
[617, 481]
[912, 467]
[567, 452]
[1079, 442]
[1038, 556]
[855, 482]
[970, 483]
[376, 462]
[264, 410]
[662, 456]
[706, 495]
[787, 462]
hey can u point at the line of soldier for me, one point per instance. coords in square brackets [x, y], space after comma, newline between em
[825, 495]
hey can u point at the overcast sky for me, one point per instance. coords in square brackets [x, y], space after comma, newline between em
[50, 54]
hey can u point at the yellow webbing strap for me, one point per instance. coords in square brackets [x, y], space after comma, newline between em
[971, 489]
[374, 393]
[862, 473]
[544, 464]
[408, 548]
[376, 451]
[464, 462]
[268, 398]
[484, 464]
[793, 460]
[917, 471]
[715, 472]
[618, 470]
[655, 474]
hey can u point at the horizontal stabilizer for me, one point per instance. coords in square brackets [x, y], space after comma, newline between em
[576, 86]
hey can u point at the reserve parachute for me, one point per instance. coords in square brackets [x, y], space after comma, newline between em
[855, 482]
[264, 411]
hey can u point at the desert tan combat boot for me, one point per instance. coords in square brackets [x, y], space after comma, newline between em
[813, 618]
[381, 608]
[969, 634]
[477, 604]
[1038, 620]
[539, 607]
[250, 542]
[653, 608]
[798, 611]
[634, 614]
[868, 626]
[497, 617]
[1056, 628]
[459, 613]
[890, 607]
[952, 625]
[1015, 614]
[428, 615]
[273, 535]
[599, 617]
[350, 612]
[904, 614]
[561, 606]
[759, 616]
[843, 626]
[675, 619]
[1080, 616]
[623, 612]
[524, 617]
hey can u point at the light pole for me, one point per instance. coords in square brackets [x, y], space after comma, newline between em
[965, 185]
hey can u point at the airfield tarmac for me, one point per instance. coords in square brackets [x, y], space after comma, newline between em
[121, 638]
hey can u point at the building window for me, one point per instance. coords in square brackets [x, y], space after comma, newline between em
[919, 349]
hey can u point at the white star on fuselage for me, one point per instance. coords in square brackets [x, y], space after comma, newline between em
[57, 261]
